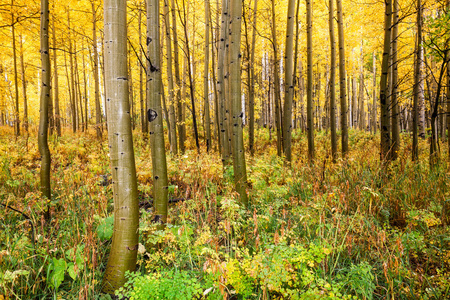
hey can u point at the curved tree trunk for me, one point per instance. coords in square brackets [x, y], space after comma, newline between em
[124, 246]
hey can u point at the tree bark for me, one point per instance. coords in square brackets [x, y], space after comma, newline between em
[124, 246]
[172, 118]
[206, 77]
[44, 150]
[289, 81]
[155, 115]
[394, 99]
[332, 81]
[309, 89]
[98, 109]
[55, 82]
[240, 173]
[342, 84]
[251, 99]
[24, 87]
[384, 109]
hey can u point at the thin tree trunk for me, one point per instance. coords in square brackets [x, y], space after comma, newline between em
[24, 87]
[289, 81]
[361, 110]
[98, 109]
[394, 100]
[124, 246]
[309, 89]
[223, 46]
[342, 87]
[332, 82]
[384, 109]
[44, 150]
[240, 173]
[374, 96]
[206, 77]
[180, 106]
[418, 85]
[72, 78]
[16, 81]
[277, 100]
[251, 100]
[171, 117]
[55, 82]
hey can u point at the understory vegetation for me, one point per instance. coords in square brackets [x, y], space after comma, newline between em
[354, 229]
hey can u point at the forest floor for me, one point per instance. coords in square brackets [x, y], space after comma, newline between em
[353, 229]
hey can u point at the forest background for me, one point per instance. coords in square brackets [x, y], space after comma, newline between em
[369, 221]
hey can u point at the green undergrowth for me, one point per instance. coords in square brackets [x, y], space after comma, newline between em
[353, 229]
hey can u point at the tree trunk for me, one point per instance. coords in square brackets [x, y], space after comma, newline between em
[418, 86]
[309, 89]
[223, 46]
[44, 150]
[24, 87]
[394, 99]
[289, 81]
[55, 83]
[342, 87]
[251, 100]
[332, 82]
[72, 78]
[361, 110]
[240, 173]
[206, 77]
[171, 117]
[98, 109]
[384, 109]
[124, 246]
[16, 80]
[277, 100]
[374, 96]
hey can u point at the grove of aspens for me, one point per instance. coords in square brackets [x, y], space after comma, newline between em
[224, 149]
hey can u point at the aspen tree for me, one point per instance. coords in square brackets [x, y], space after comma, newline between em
[374, 94]
[124, 246]
[44, 150]
[154, 114]
[206, 77]
[384, 109]
[55, 82]
[289, 81]
[251, 99]
[172, 117]
[223, 45]
[394, 98]
[16, 81]
[309, 88]
[418, 85]
[240, 173]
[24, 88]
[342, 87]
[98, 109]
[332, 81]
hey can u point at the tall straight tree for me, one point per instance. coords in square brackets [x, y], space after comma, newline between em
[155, 115]
[418, 85]
[16, 81]
[309, 84]
[251, 96]
[221, 91]
[332, 81]
[55, 81]
[384, 109]
[289, 81]
[44, 151]
[206, 77]
[394, 98]
[342, 87]
[124, 246]
[24, 87]
[240, 172]
[276, 84]
[98, 109]
[172, 117]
